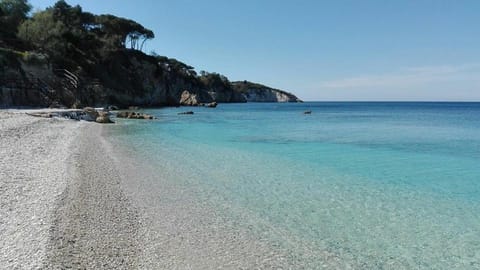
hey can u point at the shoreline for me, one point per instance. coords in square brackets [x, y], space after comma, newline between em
[95, 225]
[103, 209]
[108, 209]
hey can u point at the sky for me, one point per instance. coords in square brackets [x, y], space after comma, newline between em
[339, 50]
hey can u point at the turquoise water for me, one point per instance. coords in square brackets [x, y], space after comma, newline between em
[378, 185]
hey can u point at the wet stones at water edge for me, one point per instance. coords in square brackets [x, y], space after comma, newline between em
[134, 115]
[103, 118]
[87, 114]
[91, 114]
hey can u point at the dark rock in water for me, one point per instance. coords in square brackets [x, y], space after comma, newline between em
[134, 115]
[307, 112]
[211, 105]
[122, 114]
[189, 112]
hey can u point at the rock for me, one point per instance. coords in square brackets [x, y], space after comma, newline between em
[104, 120]
[189, 99]
[134, 115]
[307, 112]
[211, 104]
[122, 114]
[90, 114]
[133, 108]
[189, 112]
[112, 108]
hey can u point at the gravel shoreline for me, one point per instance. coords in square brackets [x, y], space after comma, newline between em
[95, 226]
[61, 205]
[33, 174]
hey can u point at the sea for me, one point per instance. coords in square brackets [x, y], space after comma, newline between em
[381, 185]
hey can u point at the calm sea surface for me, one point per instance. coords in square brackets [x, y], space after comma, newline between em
[380, 185]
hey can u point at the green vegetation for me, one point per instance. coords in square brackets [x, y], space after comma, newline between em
[73, 38]
[244, 87]
[12, 14]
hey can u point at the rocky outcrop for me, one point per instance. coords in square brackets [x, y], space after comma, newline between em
[90, 114]
[121, 79]
[134, 115]
[254, 92]
[103, 118]
[189, 99]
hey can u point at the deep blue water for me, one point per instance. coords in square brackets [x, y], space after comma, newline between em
[380, 185]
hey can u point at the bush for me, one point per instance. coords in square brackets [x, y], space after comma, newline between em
[34, 58]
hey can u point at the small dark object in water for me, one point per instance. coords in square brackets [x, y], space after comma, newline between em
[189, 112]
[211, 105]
[307, 112]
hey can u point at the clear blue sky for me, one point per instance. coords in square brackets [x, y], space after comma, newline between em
[320, 50]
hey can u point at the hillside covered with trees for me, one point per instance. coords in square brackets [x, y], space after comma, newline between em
[65, 55]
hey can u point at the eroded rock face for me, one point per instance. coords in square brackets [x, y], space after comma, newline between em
[254, 92]
[189, 99]
[269, 95]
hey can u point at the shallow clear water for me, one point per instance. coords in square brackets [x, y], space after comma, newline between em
[379, 185]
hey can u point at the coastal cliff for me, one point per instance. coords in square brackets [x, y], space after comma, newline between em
[97, 60]
[254, 92]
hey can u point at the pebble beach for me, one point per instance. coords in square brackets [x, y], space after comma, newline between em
[61, 206]
[33, 174]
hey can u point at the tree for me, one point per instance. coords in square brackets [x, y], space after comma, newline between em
[121, 32]
[45, 33]
[73, 38]
[215, 82]
[12, 14]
